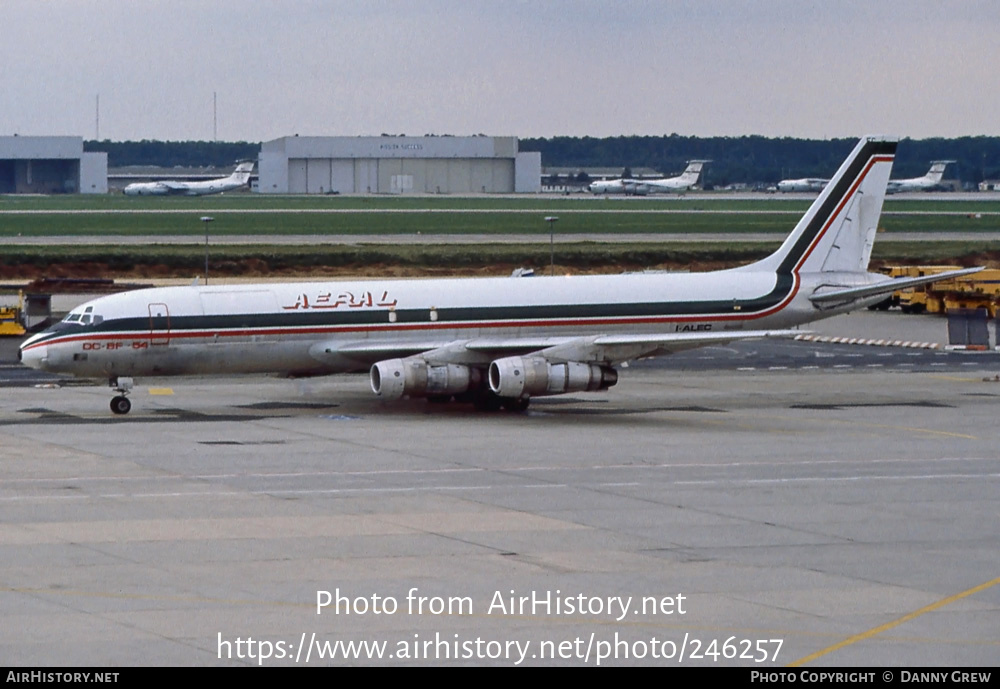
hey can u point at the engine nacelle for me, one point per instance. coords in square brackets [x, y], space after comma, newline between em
[395, 378]
[534, 376]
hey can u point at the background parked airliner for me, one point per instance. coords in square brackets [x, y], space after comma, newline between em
[239, 178]
[641, 187]
[492, 341]
[928, 182]
[804, 184]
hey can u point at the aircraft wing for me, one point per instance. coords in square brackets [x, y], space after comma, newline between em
[610, 349]
[175, 187]
[886, 287]
[618, 348]
[476, 351]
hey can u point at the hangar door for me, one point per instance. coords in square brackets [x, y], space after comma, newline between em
[7, 178]
[317, 176]
[320, 176]
[366, 176]
[297, 176]
[342, 176]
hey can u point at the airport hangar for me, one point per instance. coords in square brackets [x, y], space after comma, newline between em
[50, 165]
[397, 165]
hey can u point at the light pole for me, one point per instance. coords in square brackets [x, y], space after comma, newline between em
[206, 219]
[552, 220]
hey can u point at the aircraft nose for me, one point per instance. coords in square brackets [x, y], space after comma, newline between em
[33, 356]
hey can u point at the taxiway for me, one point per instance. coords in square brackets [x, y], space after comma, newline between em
[848, 512]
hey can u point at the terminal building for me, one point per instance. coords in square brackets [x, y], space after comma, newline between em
[397, 165]
[50, 165]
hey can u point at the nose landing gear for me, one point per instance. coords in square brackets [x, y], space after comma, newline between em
[121, 404]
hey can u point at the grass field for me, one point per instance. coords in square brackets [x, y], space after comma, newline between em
[257, 215]
[187, 260]
[253, 214]
[540, 203]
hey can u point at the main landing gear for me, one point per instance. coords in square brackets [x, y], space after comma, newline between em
[121, 404]
[484, 400]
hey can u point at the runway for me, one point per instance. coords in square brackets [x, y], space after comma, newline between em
[811, 516]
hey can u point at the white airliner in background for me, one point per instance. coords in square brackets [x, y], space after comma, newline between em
[641, 187]
[804, 184]
[491, 341]
[239, 178]
[928, 182]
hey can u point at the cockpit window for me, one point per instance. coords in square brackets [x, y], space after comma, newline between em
[85, 318]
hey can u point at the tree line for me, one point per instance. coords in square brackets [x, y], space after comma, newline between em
[735, 160]
[758, 159]
[174, 153]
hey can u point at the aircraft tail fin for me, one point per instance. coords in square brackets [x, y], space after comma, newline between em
[693, 171]
[937, 170]
[242, 172]
[837, 232]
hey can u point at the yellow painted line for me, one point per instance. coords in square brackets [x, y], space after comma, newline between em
[960, 379]
[928, 431]
[863, 425]
[895, 623]
[149, 597]
[161, 391]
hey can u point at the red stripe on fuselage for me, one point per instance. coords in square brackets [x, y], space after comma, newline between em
[466, 325]
[386, 327]
[821, 233]
[840, 207]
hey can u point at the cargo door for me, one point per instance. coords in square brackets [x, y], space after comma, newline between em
[159, 325]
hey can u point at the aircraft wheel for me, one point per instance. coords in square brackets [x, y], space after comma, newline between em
[487, 402]
[516, 404]
[121, 405]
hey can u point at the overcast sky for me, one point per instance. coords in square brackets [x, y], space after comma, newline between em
[801, 68]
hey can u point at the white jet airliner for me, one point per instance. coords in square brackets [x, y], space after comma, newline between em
[804, 184]
[491, 341]
[641, 187]
[239, 178]
[928, 182]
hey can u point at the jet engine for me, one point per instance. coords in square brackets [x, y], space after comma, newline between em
[534, 376]
[395, 378]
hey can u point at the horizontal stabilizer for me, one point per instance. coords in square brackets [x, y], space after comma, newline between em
[886, 287]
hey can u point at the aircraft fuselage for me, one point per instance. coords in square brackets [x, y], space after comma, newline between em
[321, 327]
[494, 340]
